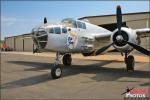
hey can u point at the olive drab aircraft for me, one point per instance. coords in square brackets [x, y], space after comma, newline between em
[78, 36]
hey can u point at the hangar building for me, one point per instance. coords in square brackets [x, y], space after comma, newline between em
[22, 42]
[134, 20]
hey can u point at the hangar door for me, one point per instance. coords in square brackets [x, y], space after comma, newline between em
[19, 43]
[10, 42]
[28, 44]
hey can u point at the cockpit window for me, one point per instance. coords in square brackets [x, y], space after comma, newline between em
[74, 24]
[64, 30]
[69, 22]
[57, 30]
[84, 26]
[51, 30]
[79, 24]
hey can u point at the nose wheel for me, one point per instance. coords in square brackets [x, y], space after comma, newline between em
[130, 62]
[56, 70]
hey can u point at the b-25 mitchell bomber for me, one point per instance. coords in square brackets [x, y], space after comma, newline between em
[76, 36]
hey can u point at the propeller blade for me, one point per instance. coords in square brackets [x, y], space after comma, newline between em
[99, 51]
[139, 48]
[45, 20]
[119, 18]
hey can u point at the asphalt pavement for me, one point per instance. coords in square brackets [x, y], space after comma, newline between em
[26, 76]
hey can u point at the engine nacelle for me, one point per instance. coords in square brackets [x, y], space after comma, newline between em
[120, 40]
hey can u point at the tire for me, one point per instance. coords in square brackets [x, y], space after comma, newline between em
[56, 72]
[66, 60]
[130, 63]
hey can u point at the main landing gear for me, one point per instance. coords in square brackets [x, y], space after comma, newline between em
[129, 61]
[56, 71]
[67, 59]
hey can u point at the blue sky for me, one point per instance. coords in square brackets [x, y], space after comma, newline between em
[19, 17]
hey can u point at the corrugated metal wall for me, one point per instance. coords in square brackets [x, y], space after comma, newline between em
[28, 44]
[10, 42]
[19, 43]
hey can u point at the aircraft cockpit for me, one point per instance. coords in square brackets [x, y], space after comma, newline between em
[69, 22]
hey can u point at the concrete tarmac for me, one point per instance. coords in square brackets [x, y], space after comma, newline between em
[27, 76]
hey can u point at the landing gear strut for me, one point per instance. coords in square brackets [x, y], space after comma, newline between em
[67, 59]
[129, 61]
[56, 71]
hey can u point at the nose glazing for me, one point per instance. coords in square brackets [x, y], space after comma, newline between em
[40, 39]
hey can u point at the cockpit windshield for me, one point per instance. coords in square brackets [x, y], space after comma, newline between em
[69, 22]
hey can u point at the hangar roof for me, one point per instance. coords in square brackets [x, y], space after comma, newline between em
[26, 34]
[112, 15]
[107, 19]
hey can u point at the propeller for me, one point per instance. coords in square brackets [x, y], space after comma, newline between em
[99, 51]
[119, 23]
[119, 18]
[139, 48]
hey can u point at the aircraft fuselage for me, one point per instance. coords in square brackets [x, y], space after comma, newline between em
[64, 38]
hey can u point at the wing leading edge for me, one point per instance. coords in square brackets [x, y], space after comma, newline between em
[144, 32]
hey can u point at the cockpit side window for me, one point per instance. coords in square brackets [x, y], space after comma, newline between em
[69, 22]
[83, 25]
[51, 30]
[79, 24]
[75, 24]
[57, 30]
[64, 30]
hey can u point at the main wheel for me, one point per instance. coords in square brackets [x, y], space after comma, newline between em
[56, 72]
[67, 59]
[130, 63]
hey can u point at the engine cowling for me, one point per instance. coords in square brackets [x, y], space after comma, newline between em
[120, 40]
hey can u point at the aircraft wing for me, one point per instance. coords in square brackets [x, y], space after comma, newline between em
[145, 32]
[100, 36]
[102, 39]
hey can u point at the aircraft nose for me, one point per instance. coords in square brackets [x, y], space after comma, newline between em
[40, 39]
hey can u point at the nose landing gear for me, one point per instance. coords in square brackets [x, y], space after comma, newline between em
[56, 71]
[130, 62]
